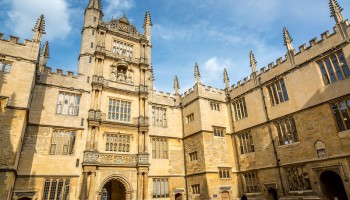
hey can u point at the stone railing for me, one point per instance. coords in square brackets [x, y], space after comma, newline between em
[93, 157]
[97, 79]
[141, 121]
[100, 49]
[141, 88]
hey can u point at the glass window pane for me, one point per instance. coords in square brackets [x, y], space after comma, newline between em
[343, 63]
[345, 114]
[330, 70]
[338, 117]
[337, 68]
[284, 89]
[324, 73]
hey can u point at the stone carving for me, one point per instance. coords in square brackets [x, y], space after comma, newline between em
[117, 159]
[143, 159]
[320, 149]
[91, 157]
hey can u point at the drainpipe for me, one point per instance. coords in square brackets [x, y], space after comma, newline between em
[271, 137]
[229, 100]
[184, 146]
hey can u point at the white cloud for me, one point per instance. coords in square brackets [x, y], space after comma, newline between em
[117, 8]
[213, 70]
[23, 15]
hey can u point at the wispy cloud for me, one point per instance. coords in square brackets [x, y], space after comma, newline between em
[117, 8]
[214, 68]
[23, 15]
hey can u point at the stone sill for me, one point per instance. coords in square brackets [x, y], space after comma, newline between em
[344, 134]
[288, 145]
[300, 192]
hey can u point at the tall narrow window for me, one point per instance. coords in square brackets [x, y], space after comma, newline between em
[219, 131]
[119, 110]
[62, 142]
[287, 132]
[240, 109]
[277, 92]
[341, 111]
[215, 106]
[193, 156]
[118, 142]
[68, 104]
[159, 116]
[251, 182]
[195, 189]
[190, 118]
[334, 68]
[159, 148]
[246, 142]
[92, 45]
[122, 48]
[56, 189]
[160, 188]
[298, 180]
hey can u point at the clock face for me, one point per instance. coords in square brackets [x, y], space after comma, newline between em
[123, 27]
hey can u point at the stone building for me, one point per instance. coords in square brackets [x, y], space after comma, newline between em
[281, 133]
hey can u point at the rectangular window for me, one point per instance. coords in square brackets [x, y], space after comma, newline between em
[225, 173]
[68, 104]
[334, 68]
[160, 188]
[119, 110]
[93, 32]
[195, 189]
[240, 109]
[159, 148]
[159, 117]
[246, 142]
[218, 131]
[215, 106]
[251, 182]
[193, 156]
[277, 92]
[5, 67]
[56, 189]
[92, 45]
[287, 132]
[298, 180]
[122, 48]
[62, 142]
[341, 112]
[118, 143]
[190, 118]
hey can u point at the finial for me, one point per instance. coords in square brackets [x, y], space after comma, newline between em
[45, 54]
[287, 40]
[176, 85]
[95, 4]
[336, 11]
[40, 25]
[196, 73]
[252, 62]
[226, 79]
[148, 20]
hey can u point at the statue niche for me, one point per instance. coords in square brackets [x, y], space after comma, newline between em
[121, 72]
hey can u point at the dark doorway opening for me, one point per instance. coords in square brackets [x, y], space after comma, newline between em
[25, 198]
[178, 196]
[332, 186]
[113, 190]
[272, 194]
[225, 195]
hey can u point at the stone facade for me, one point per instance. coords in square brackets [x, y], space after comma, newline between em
[106, 134]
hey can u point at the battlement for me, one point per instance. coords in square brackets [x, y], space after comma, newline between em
[60, 72]
[162, 94]
[14, 40]
[305, 51]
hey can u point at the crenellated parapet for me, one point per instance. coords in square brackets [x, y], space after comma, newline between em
[163, 98]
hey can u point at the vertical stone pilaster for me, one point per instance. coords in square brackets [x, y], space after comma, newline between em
[84, 186]
[139, 185]
[92, 186]
[145, 185]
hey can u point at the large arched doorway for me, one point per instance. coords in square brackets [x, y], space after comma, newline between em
[272, 194]
[178, 196]
[332, 186]
[113, 190]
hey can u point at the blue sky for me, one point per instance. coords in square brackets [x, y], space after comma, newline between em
[215, 34]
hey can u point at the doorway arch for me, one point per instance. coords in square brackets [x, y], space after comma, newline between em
[115, 187]
[332, 185]
[178, 196]
[272, 194]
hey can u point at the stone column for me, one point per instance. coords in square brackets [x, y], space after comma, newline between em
[92, 103]
[99, 99]
[92, 141]
[88, 139]
[92, 186]
[145, 147]
[128, 195]
[145, 185]
[84, 186]
[139, 185]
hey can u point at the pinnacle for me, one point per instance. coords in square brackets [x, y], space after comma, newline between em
[334, 7]
[176, 83]
[148, 19]
[95, 4]
[226, 78]
[40, 25]
[45, 51]
[286, 36]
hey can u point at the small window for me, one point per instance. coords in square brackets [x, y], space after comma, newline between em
[215, 106]
[240, 109]
[246, 142]
[56, 189]
[251, 182]
[190, 118]
[159, 116]
[193, 156]
[90, 59]
[62, 142]
[195, 189]
[225, 173]
[92, 45]
[95, 19]
[93, 32]
[333, 68]
[160, 188]
[341, 111]
[277, 92]
[68, 104]
[219, 132]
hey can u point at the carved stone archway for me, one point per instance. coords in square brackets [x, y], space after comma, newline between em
[120, 178]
